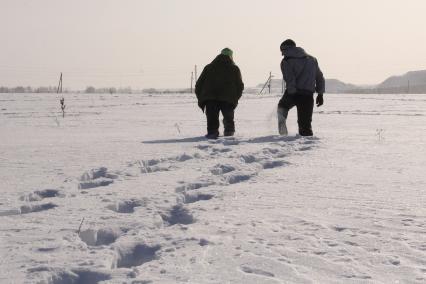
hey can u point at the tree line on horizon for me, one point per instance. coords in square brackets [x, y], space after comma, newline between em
[90, 90]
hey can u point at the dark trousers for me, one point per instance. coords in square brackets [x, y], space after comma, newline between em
[212, 112]
[304, 102]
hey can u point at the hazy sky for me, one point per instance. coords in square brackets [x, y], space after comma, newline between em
[156, 43]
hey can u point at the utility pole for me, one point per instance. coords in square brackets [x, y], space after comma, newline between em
[408, 87]
[267, 83]
[192, 79]
[270, 79]
[59, 85]
[195, 69]
[62, 100]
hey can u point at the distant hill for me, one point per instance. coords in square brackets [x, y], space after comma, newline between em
[337, 86]
[331, 85]
[410, 82]
[413, 82]
[412, 78]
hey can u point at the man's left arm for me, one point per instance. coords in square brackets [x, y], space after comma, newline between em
[240, 84]
[319, 86]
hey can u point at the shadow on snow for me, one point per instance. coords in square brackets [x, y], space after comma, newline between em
[232, 140]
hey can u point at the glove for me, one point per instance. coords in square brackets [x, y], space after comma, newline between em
[319, 100]
[201, 106]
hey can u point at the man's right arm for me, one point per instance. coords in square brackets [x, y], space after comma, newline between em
[200, 82]
[199, 86]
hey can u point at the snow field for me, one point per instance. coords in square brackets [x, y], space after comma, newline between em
[157, 203]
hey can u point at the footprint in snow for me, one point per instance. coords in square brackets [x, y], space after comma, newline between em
[273, 164]
[237, 178]
[192, 197]
[306, 148]
[131, 255]
[270, 151]
[256, 271]
[220, 150]
[27, 209]
[154, 165]
[154, 169]
[99, 237]
[203, 147]
[222, 169]
[353, 276]
[38, 195]
[194, 185]
[151, 166]
[78, 275]
[126, 206]
[339, 228]
[182, 158]
[96, 178]
[178, 214]
[225, 141]
[248, 159]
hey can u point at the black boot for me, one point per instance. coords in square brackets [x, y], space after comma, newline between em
[228, 133]
[305, 132]
[212, 135]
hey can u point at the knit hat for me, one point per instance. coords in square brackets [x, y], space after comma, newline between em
[287, 43]
[227, 51]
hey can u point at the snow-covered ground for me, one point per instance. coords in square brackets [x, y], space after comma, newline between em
[124, 189]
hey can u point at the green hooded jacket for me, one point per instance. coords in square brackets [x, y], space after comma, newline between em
[220, 81]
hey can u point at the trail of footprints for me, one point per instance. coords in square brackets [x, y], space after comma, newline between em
[238, 168]
[34, 202]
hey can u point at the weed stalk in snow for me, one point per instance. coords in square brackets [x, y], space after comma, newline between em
[62, 101]
[79, 228]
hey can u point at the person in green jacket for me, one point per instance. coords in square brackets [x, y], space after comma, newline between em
[218, 89]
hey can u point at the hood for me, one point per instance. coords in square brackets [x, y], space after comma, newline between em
[222, 59]
[295, 52]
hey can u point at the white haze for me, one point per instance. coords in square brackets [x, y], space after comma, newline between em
[143, 43]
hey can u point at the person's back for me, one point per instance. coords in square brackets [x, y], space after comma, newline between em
[218, 89]
[221, 81]
[301, 71]
[303, 77]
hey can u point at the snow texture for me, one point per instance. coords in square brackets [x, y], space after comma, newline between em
[125, 189]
